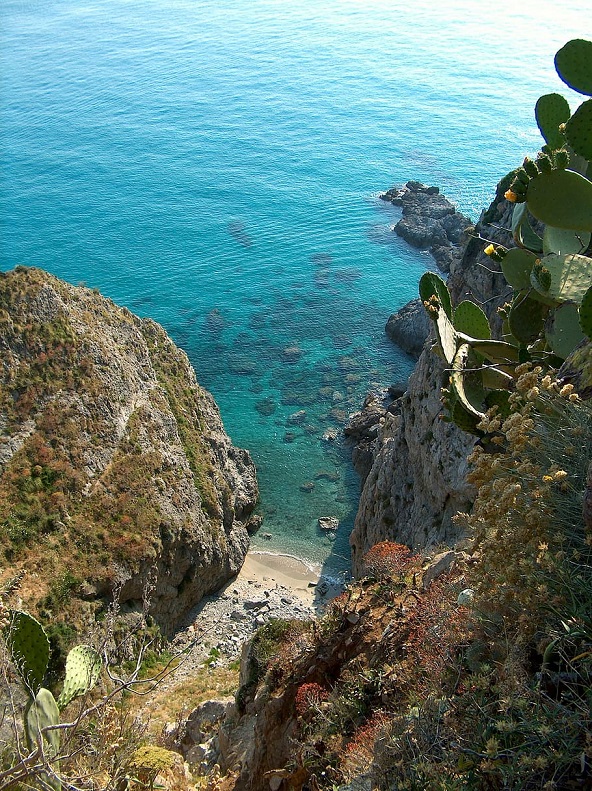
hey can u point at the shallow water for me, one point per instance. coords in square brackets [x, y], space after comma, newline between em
[216, 165]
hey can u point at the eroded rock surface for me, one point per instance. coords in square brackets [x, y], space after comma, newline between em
[414, 468]
[115, 469]
[429, 222]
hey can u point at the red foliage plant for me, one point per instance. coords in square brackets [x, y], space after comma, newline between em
[387, 559]
[309, 696]
[439, 628]
[359, 753]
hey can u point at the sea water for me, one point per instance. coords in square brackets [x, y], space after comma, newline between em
[216, 164]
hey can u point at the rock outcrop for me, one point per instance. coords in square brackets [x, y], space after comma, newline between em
[115, 470]
[414, 469]
[409, 327]
[429, 221]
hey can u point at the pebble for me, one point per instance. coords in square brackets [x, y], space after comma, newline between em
[227, 620]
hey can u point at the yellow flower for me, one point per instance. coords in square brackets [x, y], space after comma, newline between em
[489, 250]
[510, 196]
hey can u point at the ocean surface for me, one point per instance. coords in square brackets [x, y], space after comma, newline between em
[216, 165]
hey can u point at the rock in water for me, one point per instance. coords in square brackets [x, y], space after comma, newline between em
[430, 222]
[133, 482]
[409, 327]
[415, 478]
[328, 523]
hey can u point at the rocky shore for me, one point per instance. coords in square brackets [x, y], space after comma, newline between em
[413, 464]
[429, 222]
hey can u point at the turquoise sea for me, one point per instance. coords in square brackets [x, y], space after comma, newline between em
[215, 164]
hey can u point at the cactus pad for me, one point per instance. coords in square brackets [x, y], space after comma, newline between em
[447, 337]
[470, 319]
[550, 111]
[561, 198]
[41, 712]
[494, 379]
[586, 313]
[568, 277]
[526, 318]
[29, 648]
[464, 387]
[562, 241]
[497, 351]
[466, 421]
[83, 666]
[522, 231]
[574, 65]
[578, 130]
[517, 266]
[431, 284]
[562, 330]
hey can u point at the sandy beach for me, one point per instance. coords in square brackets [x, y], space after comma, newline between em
[268, 568]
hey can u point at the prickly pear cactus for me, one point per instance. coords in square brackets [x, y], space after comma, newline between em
[550, 271]
[40, 713]
[29, 648]
[574, 65]
[561, 198]
[586, 313]
[470, 319]
[551, 111]
[83, 666]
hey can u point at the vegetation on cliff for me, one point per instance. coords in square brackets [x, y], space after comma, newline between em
[113, 460]
[479, 676]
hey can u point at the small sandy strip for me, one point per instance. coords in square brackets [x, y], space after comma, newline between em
[285, 570]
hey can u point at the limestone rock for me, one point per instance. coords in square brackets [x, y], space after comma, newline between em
[409, 327]
[429, 222]
[139, 473]
[438, 566]
[416, 471]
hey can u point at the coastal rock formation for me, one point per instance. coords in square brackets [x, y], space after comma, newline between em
[409, 327]
[429, 222]
[116, 473]
[414, 470]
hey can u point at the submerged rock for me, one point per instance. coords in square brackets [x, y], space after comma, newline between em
[266, 406]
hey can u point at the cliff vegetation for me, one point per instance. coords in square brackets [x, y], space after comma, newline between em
[115, 471]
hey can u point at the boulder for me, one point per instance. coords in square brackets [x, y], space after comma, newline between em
[429, 222]
[409, 327]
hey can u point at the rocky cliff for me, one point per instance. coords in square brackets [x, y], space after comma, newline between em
[115, 470]
[415, 479]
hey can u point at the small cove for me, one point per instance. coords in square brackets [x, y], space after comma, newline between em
[216, 166]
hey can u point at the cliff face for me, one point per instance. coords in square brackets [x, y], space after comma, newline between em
[115, 469]
[416, 480]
